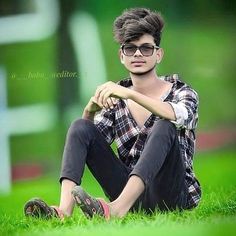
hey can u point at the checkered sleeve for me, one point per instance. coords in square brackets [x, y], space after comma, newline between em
[186, 108]
[104, 121]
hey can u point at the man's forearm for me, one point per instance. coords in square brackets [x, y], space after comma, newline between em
[157, 107]
[88, 115]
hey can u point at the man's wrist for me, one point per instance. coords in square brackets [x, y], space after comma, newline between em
[131, 94]
[88, 114]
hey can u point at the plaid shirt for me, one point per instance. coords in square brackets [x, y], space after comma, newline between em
[119, 125]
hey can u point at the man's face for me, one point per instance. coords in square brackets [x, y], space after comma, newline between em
[142, 59]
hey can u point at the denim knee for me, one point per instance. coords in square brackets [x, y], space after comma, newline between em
[164, 127]
[81, 127]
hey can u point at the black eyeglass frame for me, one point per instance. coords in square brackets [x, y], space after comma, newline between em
[138, 48]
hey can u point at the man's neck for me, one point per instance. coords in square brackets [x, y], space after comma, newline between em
[146, 83]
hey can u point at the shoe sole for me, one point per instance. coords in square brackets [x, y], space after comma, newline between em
[37, 208]
[85, 202]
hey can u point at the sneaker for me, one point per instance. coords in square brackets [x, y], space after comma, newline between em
[39, 209]
[89, 205]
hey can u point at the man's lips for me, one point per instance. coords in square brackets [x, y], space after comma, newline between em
[137, 62]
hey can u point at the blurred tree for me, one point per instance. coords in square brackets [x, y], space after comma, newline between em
[12, 7]
[67, 86]
[175, 9]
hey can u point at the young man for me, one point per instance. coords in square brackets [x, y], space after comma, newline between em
[152, 119]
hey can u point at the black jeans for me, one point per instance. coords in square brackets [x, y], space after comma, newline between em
[160, 166]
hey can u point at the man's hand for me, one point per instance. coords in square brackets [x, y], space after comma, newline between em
[106, 93]
[91, 108]
[94, 105]
[105, 97]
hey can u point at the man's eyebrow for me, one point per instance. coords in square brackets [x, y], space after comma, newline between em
[130, 44]
[148, 44]
[145, 44]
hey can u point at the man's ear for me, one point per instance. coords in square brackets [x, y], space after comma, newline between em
[159, 54]
[121, 56]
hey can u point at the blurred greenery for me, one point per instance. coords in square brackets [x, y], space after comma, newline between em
[24, 60]
[198, 41]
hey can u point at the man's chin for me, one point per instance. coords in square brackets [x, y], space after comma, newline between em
[138, 72]
[144, 72]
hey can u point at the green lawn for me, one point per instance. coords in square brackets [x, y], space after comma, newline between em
[216, 215]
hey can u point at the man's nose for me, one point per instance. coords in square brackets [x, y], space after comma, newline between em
[137, 53]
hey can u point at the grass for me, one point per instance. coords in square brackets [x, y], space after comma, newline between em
[216, 214]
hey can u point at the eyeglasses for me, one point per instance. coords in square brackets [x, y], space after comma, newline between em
[145, 49]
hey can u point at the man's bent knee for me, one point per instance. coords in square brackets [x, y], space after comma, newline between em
[164, 127]
[81, 126]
